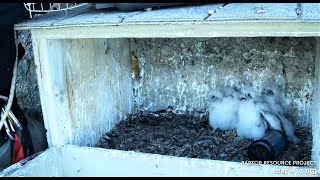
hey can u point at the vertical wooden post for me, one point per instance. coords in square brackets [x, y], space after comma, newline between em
[316, 109]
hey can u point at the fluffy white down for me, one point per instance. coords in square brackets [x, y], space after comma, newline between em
[277, 108]
[250, 125]
[223, 114]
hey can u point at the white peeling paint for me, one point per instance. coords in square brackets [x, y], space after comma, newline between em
[80, 161]
[91, 85]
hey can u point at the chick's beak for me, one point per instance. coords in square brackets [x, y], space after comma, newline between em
[242, 98]
[264, 92]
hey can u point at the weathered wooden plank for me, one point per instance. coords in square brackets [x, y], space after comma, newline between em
[231, 13]
[9, 171]
[79, 161]
[49, 18]
[98, 86]
[184, 13]
[186, 30]
[98, 17]
[310, 11]
[89, 87]
[316, 109]
[256, 11]
[109, 162]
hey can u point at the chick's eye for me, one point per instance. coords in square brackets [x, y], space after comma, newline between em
[212, 97]
[269, 91]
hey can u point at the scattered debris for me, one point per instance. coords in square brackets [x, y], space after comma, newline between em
[259, 10]
[210, 12]
[148, 9]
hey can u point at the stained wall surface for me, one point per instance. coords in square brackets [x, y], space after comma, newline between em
[178, 72]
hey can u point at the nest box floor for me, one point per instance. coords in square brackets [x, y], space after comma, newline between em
[190, 136]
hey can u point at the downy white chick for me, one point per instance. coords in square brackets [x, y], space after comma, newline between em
[229, 91]
[254, 116]
[223, 107]
[270, 96]
[250, 125]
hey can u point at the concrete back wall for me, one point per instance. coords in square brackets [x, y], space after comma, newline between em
[178, 72]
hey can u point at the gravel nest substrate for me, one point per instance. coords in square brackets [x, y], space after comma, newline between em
[190, 136]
